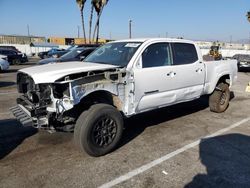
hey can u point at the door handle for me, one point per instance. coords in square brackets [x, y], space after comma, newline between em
[171, 74]
[198, 70]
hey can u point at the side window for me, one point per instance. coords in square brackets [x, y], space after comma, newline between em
[4, 52]
[12, 53]
[184, 53]
[86, 52]
[157, 55]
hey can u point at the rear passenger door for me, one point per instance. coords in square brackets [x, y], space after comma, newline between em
[189, 71]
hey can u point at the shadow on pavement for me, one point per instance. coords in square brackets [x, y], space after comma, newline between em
[135, 125]
[9, 71]
[12, 134]
[6, 84]
[227, 160]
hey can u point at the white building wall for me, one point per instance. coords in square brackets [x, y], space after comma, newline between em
[227, 52]
[25, 48]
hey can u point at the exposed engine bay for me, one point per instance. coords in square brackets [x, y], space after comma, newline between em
[56, 106]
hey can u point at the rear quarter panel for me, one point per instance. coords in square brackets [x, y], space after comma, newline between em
[217, 69]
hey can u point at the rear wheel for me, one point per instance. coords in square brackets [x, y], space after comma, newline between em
[98, 130]
[219, 99]
[16, 62]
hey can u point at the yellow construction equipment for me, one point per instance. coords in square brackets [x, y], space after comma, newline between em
[215, 52]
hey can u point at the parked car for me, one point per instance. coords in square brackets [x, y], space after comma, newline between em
[10, 48]
[24, 56]
[77, 54]
[13, 56]
[4, 64]
[56, 52]
[243, 61]
[87, 45]
[119, 79]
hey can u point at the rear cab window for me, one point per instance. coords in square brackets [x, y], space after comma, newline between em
[184, 53]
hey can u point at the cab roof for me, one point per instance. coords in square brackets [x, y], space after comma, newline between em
[154, 39]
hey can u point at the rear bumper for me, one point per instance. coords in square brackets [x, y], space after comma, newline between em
[4, 66]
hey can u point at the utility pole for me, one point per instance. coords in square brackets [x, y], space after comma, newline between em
[28, 30]
[130, 29]
[166, 34]
[248, 18]
[110, 36]
[78, 31]
[249, 41]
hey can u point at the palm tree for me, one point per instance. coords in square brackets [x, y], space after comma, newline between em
[81, 4]
[93, 2]
[99, 6]
[248, 16]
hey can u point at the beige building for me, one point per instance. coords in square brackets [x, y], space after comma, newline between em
[72, 41]
[18, 39]
[57, 40]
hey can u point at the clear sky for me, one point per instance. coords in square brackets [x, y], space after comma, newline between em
[192, 19]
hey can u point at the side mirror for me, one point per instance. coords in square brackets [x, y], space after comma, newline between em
[82, 57]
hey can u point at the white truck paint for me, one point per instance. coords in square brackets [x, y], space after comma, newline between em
[150, 74]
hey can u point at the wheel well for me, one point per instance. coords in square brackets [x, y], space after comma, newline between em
[102, 97]
[224, 79]
[95, 98]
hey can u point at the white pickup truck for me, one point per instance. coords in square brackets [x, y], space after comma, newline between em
[119, 79]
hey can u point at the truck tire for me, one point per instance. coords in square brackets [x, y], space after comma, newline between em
[219, 99]
[98, 130]
[16, 62]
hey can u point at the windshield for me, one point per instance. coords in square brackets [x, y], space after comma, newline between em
[72, 54]
[118, 53]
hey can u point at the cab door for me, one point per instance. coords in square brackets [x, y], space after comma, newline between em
[169, 74]
[189, 70]
[154, 79]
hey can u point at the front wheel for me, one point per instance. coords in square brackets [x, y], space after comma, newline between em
[98, 130]
[219, 99]
[16, 62]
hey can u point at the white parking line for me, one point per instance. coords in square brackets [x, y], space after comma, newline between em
[148, 166]
[8, 93]
[5, 113]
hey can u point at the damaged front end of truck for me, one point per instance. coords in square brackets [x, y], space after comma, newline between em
[56, 106]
